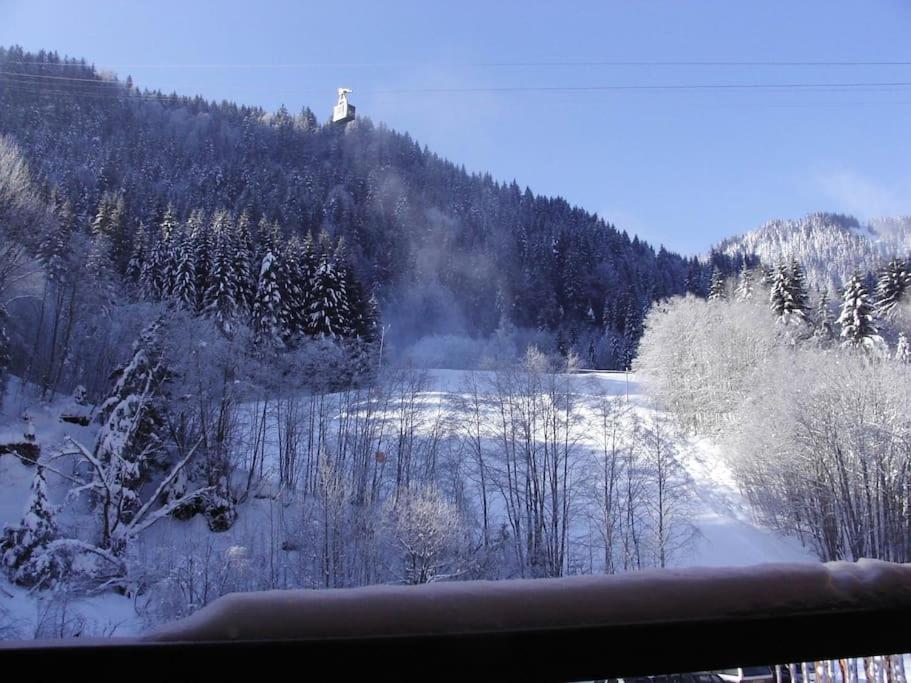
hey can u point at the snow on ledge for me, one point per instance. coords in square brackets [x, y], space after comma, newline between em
[487, 606]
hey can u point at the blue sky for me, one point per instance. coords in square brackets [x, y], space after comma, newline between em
[683, 168]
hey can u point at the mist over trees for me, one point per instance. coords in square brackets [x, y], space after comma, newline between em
[445, 251]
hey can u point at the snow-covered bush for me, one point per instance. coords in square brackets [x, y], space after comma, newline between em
[818, 438]
[703, 358]
[424, 529]
[26, 550]
[822, 447]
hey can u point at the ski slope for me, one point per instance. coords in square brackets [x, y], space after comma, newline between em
[729, 534]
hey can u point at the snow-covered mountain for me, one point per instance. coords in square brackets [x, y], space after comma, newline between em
[829, 246]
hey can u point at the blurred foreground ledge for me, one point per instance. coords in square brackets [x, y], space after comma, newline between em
[582, 627]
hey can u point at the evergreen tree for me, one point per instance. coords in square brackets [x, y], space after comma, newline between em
[202, 245]
[110, 233]
[243, 255]
[54, 250]
[160, 268]
[151, 278]
[856, 320]
[130, 440]
[797, 288]
[24, 549]
[364, 345]
[170, 236]
[903, 349]
[716, 288]
[352, 302]
[138, 258]
[744, 291]
[292, 286]
[270, 237]
[823, 320]
[101, 223]
[778, 294]
[267, 306]
[329, 313]
[183, 290]
[892, 285]
[788, 296]
[120, 235]
[220, 301]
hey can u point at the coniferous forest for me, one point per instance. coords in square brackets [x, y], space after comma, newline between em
[164, 190]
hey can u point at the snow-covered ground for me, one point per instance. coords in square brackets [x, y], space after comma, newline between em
[728, 532]
[730, 535]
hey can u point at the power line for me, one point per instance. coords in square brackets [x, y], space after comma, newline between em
[36, 78]
[504, 64]
[96, 81]
[657, 87]
[39, 90]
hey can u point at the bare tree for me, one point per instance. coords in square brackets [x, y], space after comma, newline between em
[425, 528]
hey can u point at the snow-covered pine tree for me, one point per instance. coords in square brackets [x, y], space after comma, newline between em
[220, 301]
[329, 314]
[779, 295]
[364, 345]
[717, 286]
[151, 280]
[243, 256]
[797, 287]
[100, 261]
[292, 287]
[202, 243]
[130, 440]
[744, 290]
[902, 349]
[110, 233]
[170, 236]
[788, 295]
[120, 235]
[24, 549]
[138, 257]
[823, 320]
[309, 263]
[892, 285]
[53, 252]
[160, 267]
[267, 305]
[183, 290]
[858, 328]
[270, 237]
[101, 223]
[351, 299]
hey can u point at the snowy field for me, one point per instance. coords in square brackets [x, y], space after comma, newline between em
[727, 532]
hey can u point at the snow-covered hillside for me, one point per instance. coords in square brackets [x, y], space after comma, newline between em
[829, 246]
[726, 531]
